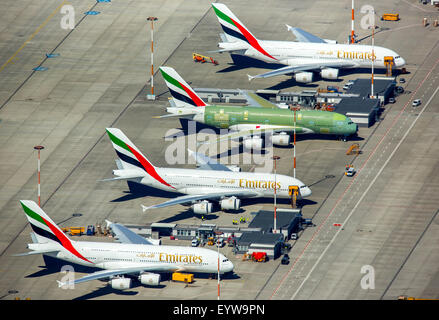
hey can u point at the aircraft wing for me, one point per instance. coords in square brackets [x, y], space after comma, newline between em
[302, 67]
[255, 100]
[246, 133]
[117, 272]
[197, 197]
[125, 235]
[304, 36]
[207, 163]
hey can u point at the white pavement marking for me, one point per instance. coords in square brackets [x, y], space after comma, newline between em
[364, 194]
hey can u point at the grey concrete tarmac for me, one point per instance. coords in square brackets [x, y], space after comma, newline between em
[100, 79]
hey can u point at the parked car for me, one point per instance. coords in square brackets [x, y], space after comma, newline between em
[399, 89]
[195, 242]
[332, 89]
[350, 171]
[285, 259]
[416, 102]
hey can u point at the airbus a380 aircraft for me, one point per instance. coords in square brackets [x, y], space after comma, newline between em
[210, 182]
[309, 54]
[249, 122]
[135, 256]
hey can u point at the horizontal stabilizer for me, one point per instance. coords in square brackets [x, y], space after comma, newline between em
[34, 252]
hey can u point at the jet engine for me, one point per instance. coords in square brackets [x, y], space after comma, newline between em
[253, 143]
[329, 73]
[120, 283]
[203, 207]
[149, 279]
[232, 203]
[304, 77]
[281, 139]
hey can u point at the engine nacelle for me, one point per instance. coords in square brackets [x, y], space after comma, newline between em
[232, 203]
[150, 279]
[281, 139]
[120, 283]
[329, 73]
[203, 207]
[253, 143]
[304, 77]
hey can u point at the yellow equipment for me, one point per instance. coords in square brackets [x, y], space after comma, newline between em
[210, 241]
[390, 17]
[293, 192]
[389, 62]
[203, 59]
[76, 231]
[183, 277]
[413, 298]
[354, 148]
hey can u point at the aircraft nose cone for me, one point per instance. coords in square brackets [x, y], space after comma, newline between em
[228, 267]
[305, 192]
[400, 62]
[354, 128]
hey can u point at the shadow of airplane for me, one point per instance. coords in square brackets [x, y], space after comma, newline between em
[105, 290]
[138, 190]
[243, 62]
[54, 265]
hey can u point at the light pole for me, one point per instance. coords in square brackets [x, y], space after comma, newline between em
[275, 158]
[218, 245]
[39, 148]
[152, 96]
[373, 56]
[294, 143]
[352, 25]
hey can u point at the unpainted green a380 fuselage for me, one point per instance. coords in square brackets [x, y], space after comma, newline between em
[307, 121]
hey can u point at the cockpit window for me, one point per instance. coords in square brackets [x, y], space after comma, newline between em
[225, 260]
[350, 122]
[397, 57]
[304, 186]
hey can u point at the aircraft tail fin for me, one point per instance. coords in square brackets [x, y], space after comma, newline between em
[182, 93]
[45, 230]
[235, 31]
[130, 157]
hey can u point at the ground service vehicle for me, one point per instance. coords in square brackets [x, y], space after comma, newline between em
[416, 102]
[390, 17]
[350, 171]
[183, 277]
[285, 259]
[259, 256]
